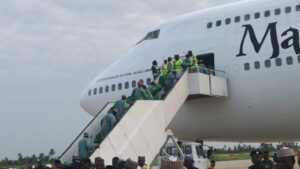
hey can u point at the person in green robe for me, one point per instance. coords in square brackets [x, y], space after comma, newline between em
[122, 107]
[186, 62]
[148, 93]
[168, 84]
[107, 124]
[139, 93]
[85, 147]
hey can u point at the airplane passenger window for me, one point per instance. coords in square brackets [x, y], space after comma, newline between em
[277, 11]
[289, 60]
[106, 89]
[120, 86]
[148, 81]
[256, 65]
[101, 90]
[247, 17]
[288, 9]
[267, 13]
[299, 59]
[133, 84]
[267, 63]
[278, 62]
[209, 25]
[237, 19]
[298, 8]
[218, 23]
[113, 87]
[126, 85]
[95, 91]
[247, 66]
[90, 92]
[256, 15]
[227, 21]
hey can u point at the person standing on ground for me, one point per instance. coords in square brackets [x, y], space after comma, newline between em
[139, 93]
[130, 164]
[57, 164]
[275, 161]
[141, 162]
[189, 162]
[107, 124]
[212, 164]
[286, 158]
[99, 163]
[155, 70]
[85, 147]
[114, 165]
[266, 161]
[121, 106]
[256, 160]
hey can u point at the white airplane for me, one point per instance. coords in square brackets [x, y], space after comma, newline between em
[255, 42]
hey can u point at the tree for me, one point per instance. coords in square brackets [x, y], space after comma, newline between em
[20, 159]
[51, 153]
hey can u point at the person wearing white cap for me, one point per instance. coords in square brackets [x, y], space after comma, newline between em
[286, 158]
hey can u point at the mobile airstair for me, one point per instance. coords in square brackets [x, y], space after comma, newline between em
[142, 130]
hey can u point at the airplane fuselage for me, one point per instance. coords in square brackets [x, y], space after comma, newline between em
[256, 43]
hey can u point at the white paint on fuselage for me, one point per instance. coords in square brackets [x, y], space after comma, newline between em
[263, 103]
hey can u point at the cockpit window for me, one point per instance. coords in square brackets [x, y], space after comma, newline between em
[151, 35]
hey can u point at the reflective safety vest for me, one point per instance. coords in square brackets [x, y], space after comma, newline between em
[178, 65]
[193, 61]
[157, 70]
[145, 166]
[172, 65]
[165, 70]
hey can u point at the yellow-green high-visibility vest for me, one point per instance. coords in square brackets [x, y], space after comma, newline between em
[165, 70]
[193, 61]
[178, 65]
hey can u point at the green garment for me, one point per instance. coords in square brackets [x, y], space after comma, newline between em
[139, 94]
[107, 124]
[203, 69]
[122, 107]
[169, 82]
[149, 95]
[155, 89]
[186, 63]
[85, 148]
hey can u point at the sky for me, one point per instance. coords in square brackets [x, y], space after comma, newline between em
[51, 49]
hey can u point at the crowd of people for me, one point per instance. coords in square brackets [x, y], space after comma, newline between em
[282, 159]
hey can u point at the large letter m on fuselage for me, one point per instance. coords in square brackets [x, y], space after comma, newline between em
[256, 44]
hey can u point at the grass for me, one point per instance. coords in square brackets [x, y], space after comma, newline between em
[227, 157]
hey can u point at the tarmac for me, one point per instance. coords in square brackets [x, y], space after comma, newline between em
[237, 164]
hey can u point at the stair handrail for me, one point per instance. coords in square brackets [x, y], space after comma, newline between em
[85, 129]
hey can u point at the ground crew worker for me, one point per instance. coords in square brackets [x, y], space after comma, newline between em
[141, 162]
[85, 147]
[186, 62]
[148, 93]
[256, 160]
[164, 68]
[266, 161]
[193, 62]
[155, 70]
[178, 66]
[286, 158]
[122, 107]
[171, 65]
[107, 124]
[139, 93]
